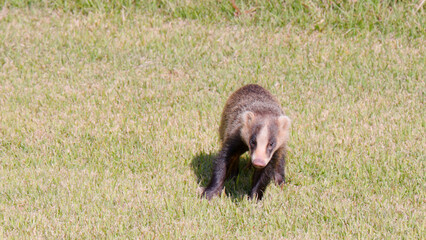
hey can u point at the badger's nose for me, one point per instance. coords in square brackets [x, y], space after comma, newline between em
[259, 163]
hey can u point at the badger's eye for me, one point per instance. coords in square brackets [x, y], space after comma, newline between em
[271, 144]
[252, 142]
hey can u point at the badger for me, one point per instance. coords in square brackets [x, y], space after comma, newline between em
[253, 121]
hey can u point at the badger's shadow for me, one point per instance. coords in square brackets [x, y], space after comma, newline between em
[236, 188]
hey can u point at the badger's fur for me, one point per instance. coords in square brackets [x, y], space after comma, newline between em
[253, 121]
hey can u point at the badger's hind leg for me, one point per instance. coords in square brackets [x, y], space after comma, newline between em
[233, 169]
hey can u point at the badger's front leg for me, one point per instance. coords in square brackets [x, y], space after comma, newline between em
[261, 179]
[225, 165]
[218, 176]
[279, 172]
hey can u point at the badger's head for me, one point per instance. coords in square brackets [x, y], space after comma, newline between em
[264, 135]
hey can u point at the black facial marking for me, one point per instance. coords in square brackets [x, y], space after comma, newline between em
[273, 132]
[252, 142]
[253, 137]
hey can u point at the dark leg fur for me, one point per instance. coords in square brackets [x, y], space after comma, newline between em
[261, 179]
[226, 165]
[279, 175]
[218, 177]
[234, 167]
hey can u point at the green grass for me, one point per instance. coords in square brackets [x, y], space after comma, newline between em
[109, 118]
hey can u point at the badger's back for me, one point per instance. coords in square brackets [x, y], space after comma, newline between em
[252, 98]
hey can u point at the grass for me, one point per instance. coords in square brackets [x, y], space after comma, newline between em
[109, 118]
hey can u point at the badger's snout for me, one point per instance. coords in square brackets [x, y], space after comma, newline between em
[259, 163]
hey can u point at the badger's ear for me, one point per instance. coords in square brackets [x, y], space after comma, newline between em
[284, 123]
[247, 118]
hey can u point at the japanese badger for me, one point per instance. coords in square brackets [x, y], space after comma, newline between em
[253, 121]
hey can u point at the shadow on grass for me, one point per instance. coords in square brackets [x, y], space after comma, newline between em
[235, 188]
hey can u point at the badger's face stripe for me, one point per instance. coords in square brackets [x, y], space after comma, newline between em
[264, 136]
[262, 144]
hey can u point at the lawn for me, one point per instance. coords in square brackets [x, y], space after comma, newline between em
[109, 116]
